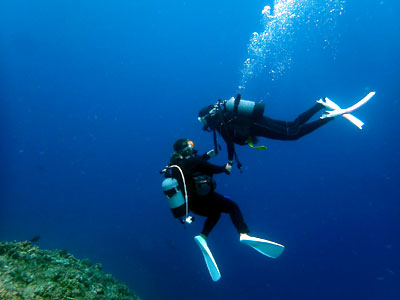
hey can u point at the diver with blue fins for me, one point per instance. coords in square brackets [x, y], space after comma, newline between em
[189, 186]
[241, 122]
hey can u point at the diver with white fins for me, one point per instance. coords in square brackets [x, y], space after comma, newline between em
[189, 186]
[242, 122]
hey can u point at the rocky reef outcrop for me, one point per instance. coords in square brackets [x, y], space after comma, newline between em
[27, 272]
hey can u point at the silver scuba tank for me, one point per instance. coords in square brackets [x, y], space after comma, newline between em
[246, 108]
[175, 197]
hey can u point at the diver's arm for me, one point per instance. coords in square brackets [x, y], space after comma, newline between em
[208, 154]
[208, 168]
[230, 145]
[231, 150]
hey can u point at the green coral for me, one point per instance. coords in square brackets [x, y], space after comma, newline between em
[27, 272]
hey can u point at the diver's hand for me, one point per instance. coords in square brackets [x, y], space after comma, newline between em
[211, 153]
[228, 168]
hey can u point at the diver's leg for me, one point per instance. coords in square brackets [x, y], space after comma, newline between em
[226, 205]
[204, 206]
[302, 130]
[287, 131]
[270, 128]
[305, 116]
[209, 224]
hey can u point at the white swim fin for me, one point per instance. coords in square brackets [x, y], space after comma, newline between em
[360, 103]
[208, 257]
[268, 248]
[335, 109]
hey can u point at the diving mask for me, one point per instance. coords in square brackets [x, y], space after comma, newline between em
[188, 150]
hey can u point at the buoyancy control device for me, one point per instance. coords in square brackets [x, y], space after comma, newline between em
[204, 184]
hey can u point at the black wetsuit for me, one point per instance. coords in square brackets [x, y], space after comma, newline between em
[213, 204]
[236, 129]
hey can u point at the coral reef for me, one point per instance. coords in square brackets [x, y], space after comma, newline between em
[27, 272]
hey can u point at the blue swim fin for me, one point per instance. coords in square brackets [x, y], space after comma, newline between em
[268, 248]
[208, 257]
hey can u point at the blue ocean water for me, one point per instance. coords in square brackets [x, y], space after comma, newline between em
[94, 93]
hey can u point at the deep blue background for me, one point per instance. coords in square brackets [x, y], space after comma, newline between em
[94, 93]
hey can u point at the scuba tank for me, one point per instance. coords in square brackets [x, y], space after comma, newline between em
[245, 108]
[176, 200]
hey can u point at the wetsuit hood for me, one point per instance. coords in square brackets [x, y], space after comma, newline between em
[205, 110]
[205, 118]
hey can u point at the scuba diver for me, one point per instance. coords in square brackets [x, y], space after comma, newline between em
[189, 186]
[242, 122]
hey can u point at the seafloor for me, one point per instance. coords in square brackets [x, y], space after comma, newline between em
[27, 272]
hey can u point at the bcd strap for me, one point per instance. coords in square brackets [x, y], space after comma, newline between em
[236, 103]
[215, 142]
